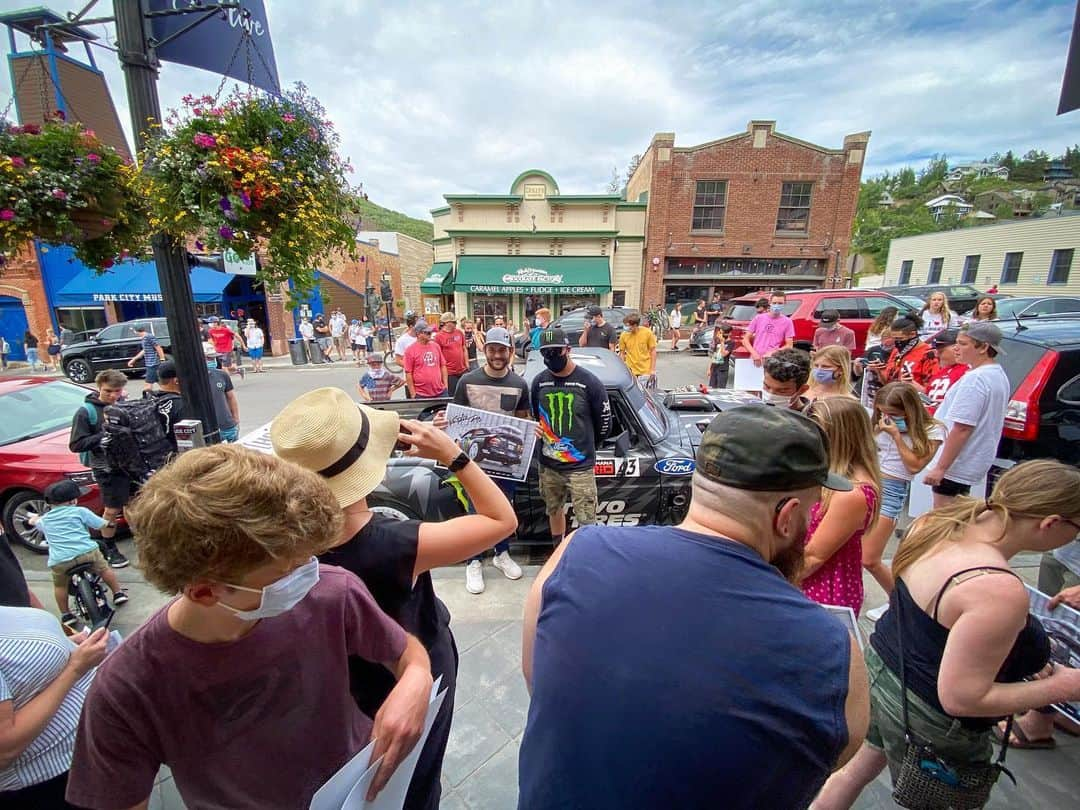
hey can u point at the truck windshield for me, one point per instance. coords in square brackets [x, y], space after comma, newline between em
[649, 414]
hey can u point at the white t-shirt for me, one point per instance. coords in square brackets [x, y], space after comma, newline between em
[403, 342]
[889, 459]
[255, 338]
[337, 327]
[307, 331]
[978, 400]
[675, 319]
[356, 333]
[934, 322]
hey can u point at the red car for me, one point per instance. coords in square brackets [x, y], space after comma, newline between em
[857, 308]
[34, 430]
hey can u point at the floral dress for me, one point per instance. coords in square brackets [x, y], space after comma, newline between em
[839, 581]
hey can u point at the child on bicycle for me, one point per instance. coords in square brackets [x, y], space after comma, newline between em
[66, 526]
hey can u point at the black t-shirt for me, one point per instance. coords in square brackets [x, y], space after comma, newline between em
[383, 555]
[170, 408]
[601, 336]
[13, 590]
[715, 308]
[574, 416]
[506, 395]
[699, 316]
[30, 341]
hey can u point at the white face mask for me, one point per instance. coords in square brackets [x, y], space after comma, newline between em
[281, 595]
[780, 400]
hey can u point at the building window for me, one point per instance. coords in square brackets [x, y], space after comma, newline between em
[794, 214]
[618, 298]
[905, 272]
[710, 200]
[934, 274]
[971, 269]
[1060, 266]
[1010, 272]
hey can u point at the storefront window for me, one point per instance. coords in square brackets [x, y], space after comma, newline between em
[486, 307]
[81, 319]
[206, 310]
[569, 302]
[533, 303]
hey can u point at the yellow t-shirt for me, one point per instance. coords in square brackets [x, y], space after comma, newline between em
[636, 349]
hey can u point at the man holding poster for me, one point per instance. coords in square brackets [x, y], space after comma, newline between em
[497, 388]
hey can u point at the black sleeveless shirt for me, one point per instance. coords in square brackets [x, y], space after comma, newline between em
[924, 645]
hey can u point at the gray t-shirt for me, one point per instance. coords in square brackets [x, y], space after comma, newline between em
[979, 400]
[221, 384]
[506, 395]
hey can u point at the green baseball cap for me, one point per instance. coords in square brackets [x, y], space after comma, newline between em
[766, 449]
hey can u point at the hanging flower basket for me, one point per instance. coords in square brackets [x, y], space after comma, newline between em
[253, 171]
[60, 184]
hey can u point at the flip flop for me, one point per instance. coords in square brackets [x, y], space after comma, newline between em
[1021, 740]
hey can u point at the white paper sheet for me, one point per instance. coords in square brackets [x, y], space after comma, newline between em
[921, 499]
[347, 789]
[748, 377]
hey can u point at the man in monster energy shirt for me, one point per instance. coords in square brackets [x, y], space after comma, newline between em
[572, 408]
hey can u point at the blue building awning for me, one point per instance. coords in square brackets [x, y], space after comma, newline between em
[138, 282]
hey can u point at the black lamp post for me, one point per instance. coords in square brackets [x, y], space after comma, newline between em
[389, 299]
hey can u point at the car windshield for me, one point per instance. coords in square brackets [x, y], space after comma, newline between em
[649, 414]
[36, 410]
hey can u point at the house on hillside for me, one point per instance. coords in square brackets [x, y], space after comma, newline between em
[886, 200]
[1020, 201]
[962, 170]
[1057, 170]
[948, 202]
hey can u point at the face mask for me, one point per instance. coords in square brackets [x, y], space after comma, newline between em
[823, 375]
[901, 423]
[777, 309]
[280, 596]
[780, 400]
[830, 326]
[538, 322]
[556, 362]
[376, 373]
[906, 345]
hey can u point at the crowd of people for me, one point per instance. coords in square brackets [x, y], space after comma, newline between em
[302, 624]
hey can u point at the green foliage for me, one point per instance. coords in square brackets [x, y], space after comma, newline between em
[1003, 211]
[60, 184]
[376, 218]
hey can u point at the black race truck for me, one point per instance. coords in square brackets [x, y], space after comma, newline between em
[643, 468]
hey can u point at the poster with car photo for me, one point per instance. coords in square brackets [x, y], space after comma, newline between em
[1062, 626]
[501, 445]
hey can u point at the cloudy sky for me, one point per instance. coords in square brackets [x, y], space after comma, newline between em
[436, 98]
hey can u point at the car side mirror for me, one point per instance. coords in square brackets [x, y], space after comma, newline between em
[1069, 393]
[621, 443]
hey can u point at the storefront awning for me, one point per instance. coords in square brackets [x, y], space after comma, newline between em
[438, 280]
[136, 281]
[559, 275]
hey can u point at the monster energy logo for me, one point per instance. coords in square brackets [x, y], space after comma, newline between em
[560, 406]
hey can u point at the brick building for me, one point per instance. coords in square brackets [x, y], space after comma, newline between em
[22, 301]
[751, 211]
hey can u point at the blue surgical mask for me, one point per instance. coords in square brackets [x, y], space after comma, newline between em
[281, 595]
[901, 423]
[777, 309]
[824, 375]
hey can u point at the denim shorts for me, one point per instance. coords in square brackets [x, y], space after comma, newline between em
[894, 492]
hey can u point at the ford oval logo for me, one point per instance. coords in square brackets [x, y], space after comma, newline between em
[675, 466]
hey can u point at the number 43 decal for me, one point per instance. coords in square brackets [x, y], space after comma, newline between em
[628, 467]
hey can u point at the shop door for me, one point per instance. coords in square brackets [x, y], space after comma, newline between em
[13, 326]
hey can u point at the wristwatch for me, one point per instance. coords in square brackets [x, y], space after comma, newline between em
[462, 460]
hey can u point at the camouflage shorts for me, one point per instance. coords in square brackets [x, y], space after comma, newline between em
[581, 487]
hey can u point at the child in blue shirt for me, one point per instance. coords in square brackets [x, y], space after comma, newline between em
[66, 526]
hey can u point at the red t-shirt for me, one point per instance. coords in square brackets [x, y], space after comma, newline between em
[425, 362]
[262, 721]
[223, 339]
[939, 384]
[453, 349]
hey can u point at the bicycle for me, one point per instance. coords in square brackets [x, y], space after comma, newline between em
[658, 322]
[88, 592]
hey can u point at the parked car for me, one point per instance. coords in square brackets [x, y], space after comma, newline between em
[1040, 356]
[857, 308]
[962, 297]
[503, 444]
[573, 323]
[1036, 305]
[112, 347]
[34, 432]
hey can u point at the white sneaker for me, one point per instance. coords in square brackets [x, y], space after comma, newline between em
[474, 577]
[505, 564]
[877, 613]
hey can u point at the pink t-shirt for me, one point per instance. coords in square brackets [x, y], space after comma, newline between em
[769, 332]
[259, 722]
[425, 362]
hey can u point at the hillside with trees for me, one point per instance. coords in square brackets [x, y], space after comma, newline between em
[376, 218]
[877, 223]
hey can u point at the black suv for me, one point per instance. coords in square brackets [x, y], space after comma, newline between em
[112, 347]
[962, 297]
[1041, 355]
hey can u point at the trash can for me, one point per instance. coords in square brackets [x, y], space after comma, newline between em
[296, 352]
[314, 353]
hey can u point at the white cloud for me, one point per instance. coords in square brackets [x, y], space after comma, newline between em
[433, 98]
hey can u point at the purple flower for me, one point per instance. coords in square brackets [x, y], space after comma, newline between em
[7, 214]
[59, 194]
[245, 198]
[225, 204]
[18, 162]
[199, 245]
[225, 232]
[205, 141]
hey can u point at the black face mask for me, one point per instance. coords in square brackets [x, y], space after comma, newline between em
[904, 346]
[555, 360]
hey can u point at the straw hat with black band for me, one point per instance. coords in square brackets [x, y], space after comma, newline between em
[346, 443]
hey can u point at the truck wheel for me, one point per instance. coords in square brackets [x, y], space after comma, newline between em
[473, 450]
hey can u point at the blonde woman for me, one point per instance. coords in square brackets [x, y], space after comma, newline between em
[52, 350]
[936, 315]
[963, 618]
[832, 572]
[907, 438]
[831, 373]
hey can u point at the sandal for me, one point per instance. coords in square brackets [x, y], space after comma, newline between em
[1021, 740]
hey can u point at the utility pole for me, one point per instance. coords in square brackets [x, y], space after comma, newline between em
[140, 77]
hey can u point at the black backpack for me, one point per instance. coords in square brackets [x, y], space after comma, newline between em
[136, 443]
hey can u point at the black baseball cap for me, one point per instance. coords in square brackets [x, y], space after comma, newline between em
[553, 339]
[166, 370]
[766, 449]
[593, 310]
[63, 491]
[946, 337]
[830, 316]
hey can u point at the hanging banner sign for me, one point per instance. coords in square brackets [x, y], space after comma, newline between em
[217, 44]
[237, 266]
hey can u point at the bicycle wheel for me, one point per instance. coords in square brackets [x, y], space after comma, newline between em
[391, 364]
[90, 603]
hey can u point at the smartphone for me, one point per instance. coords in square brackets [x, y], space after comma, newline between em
[399, 445]
[885, 419]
